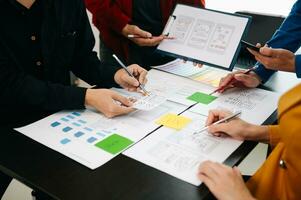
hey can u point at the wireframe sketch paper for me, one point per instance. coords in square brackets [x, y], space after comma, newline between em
[207, 36]
[90, 138]
[179, 153]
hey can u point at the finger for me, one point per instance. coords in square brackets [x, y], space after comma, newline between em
[142, 77]
[212, 117]
[200, 65]
[220, 128]
[140, 32]
[258, 45]
[207, 169]
[266, 51]
[226, 80]
[119, 110]
[149, 42]
[207, 181]
[123, 100]
[133, 82]
[245, 79]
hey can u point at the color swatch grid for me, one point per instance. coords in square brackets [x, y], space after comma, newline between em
[75, 128]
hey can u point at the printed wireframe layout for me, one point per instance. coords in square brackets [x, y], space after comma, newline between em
[221, 38]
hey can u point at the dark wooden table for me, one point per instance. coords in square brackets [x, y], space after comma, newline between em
[122, 178]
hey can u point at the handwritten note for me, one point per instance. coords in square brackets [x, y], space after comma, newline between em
[173, 121]
[149, 102]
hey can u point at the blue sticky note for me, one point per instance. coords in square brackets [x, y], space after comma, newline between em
[67, 129]
[64, 119]
[91, 139]
[55, 124]
[82, 121]
[88, 129]
[76, 114]
[65, 141]
[101, 134]
[76, 124]
[70, 117]
[79, 134]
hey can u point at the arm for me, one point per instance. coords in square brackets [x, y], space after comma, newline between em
[86, 64]
[287, 37]
[19, 89]
[108, 12]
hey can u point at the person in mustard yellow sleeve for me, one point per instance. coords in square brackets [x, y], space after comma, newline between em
[280, 175]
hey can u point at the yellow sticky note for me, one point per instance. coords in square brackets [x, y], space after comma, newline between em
[173, 121]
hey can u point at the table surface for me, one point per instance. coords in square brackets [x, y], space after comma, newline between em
[122, 178]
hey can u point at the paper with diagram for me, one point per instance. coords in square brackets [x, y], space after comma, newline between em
[204, 35]
[179, 153]
[90, 138]
[256, 104]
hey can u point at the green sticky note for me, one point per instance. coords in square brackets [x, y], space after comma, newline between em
[114, 144]
[202, 98]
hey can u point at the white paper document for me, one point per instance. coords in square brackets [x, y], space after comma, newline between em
[179, 153]
[256, 104]
[92, 139]
[175, 88]
[204, 35]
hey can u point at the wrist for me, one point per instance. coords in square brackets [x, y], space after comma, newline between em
[257, 133]
[89, 97]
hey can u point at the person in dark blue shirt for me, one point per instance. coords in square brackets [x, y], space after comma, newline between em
[277, 54]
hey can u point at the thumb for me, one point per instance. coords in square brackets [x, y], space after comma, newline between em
[130, 81]
[141, 32]
[123, 100]
[219, 128]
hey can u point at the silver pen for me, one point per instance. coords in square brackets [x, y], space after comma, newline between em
[129, 73]
[234, 115]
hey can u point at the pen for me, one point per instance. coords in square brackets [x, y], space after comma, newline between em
[137, 36]
[232, 81]
[230, 117]
[129, 73]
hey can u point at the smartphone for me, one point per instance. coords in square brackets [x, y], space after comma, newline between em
[250, 46]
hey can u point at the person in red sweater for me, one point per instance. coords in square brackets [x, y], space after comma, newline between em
[116, 19]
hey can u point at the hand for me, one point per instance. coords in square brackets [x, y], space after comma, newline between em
[235, 128]
[106, 101]
[199, 65]
[239, 79]
[131, 83]
[275, 59]
[224, 182]
[146, 38]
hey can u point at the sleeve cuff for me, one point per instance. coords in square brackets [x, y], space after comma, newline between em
[298, 66]
[74, 98]
[274, 134]
[263, 73]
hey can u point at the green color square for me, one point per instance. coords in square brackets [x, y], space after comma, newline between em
[202, 98]
[114, 144]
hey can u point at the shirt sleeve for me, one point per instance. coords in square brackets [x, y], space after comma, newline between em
[108, 12]
[86, 65]
[274, 133]
[298, 66]
[19, 89]
[288, 36]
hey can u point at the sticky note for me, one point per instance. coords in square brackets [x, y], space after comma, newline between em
[173, 121]
[202, 98]
[114, 144]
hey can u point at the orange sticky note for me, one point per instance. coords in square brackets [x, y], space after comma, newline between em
[174, 121]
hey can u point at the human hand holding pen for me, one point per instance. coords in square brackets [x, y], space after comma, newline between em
[241, 78]
[235, 128]
[132, 77]
[141, 37]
